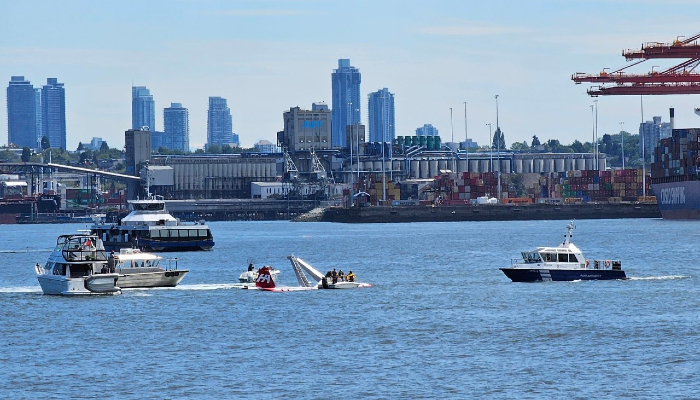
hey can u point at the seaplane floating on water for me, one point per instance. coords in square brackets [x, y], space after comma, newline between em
[266, 282]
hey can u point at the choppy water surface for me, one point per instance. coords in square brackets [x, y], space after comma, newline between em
[440, 322]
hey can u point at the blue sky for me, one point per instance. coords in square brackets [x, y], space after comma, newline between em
[266, 56]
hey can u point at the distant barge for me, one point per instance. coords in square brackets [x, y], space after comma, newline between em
[490, 212]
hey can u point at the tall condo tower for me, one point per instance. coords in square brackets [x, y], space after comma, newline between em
[22, 111]
[219, 125]
[143, 109]
[382, 126]
[53, 113]
[346, 101]
[176, 120]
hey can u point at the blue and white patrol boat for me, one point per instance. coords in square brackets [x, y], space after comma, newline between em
[562, 263]
[150, 227]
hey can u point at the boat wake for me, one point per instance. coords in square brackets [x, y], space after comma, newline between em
[206, 286]
[21, 289]
[658, 278]
[23, 251]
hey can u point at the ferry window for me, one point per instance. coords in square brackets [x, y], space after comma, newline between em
[572, 258]
[202, 232]
[155, 234]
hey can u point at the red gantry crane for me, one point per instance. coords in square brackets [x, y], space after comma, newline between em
[680, 79]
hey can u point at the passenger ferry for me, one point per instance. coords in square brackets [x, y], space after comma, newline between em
[562, 263]
[150, 227]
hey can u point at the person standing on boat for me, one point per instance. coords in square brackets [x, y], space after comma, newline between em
[334, 275]
[350, 277]
[111, 262]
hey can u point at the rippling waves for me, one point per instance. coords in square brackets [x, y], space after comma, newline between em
[441, 320]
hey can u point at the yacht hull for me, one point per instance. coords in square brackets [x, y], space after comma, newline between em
[92, 285]
[151, 279]
[542, 275]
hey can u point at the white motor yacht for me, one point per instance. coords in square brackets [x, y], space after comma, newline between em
[137, 269]
[77, 266]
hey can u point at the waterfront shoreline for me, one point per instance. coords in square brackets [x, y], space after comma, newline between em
[489, 212]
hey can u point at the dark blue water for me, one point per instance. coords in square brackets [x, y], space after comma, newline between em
[440, 322]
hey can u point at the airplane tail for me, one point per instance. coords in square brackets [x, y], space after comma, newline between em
[264, 280]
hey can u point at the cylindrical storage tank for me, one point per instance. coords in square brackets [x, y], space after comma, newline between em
[377, 166]
[430, 142]
[580, 164]
[602, 164]
[433, 165]
[484, 166]
[399, 140]
[424, 172]
[414, 169]
[538, 165]
[548, 165]
[518, 166]
[569, 164]
[474, 166]
[422, 141]
[437, 143]
[414, 140]
[462, 166]
[559, 165]
[589, 164]
[505, 166]
[529, 167]
[442, 164]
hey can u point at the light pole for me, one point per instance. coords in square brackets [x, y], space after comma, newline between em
[498, 152]
[642, 133]
[622, 136]
[466, 136]
[352, 186]
[498, 132]
[490, 149]
[593, 130]
[595, 136]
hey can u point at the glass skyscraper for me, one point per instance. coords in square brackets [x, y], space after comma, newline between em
[22, 112]
[219, 124]
[346, 101]
[177, 127]
[53, 113]
[382, 126]
[427, 130]
[143, 108]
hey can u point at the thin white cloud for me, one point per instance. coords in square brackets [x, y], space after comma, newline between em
[262, 13]
[471, 30]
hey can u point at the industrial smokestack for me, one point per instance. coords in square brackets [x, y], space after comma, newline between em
[673, 118]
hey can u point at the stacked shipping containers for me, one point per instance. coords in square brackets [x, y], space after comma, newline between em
[676, 157]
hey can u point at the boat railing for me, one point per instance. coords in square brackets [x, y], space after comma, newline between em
[80, 253]
[170, 264]
[604, 264]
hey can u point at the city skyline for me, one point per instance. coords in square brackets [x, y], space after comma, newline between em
[434, 56]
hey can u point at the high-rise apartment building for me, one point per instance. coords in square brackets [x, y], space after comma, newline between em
[53, 113]
[219, 124]
[143, 108]
[176, 121]
[427, 130]
[650, 133]
[304, 130]
[346, 100]
[382, 125]
[22, 112]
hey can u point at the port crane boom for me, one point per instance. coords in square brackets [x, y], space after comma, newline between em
[679, 79]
